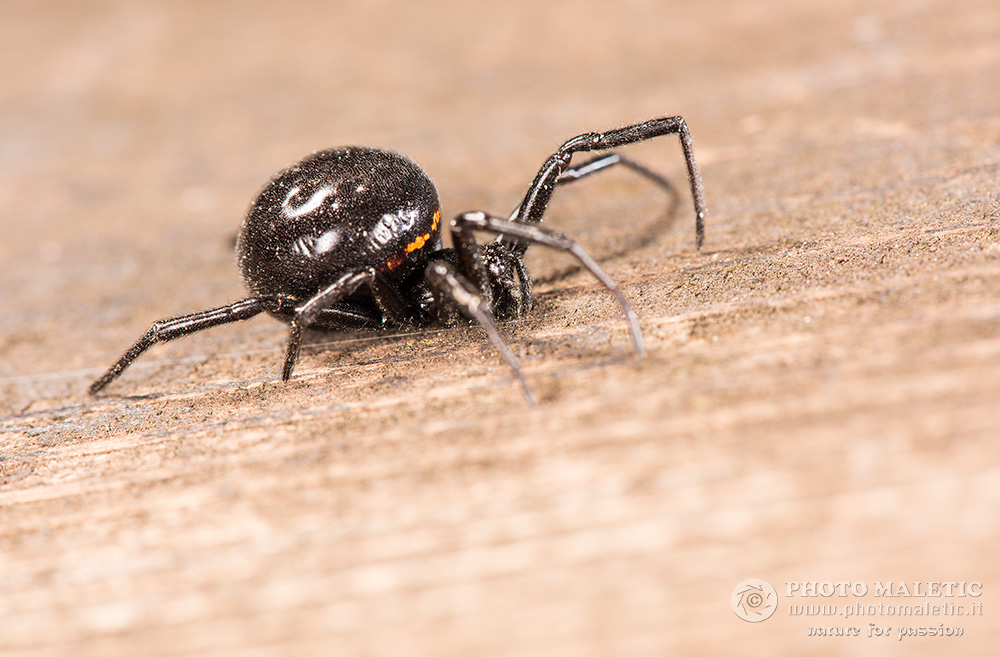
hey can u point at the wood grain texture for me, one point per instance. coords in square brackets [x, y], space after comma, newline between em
[819, 402]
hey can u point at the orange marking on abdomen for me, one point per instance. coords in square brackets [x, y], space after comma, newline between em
[417, 243]
[426, 237]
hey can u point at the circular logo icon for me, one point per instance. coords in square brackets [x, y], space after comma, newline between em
[754, 600]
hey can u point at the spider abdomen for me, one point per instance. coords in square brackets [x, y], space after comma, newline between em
[333, 212]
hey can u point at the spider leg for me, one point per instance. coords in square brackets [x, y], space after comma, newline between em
[606, 161]
[556, 169]
[450, 289]
[308, 312]
[515, 298]
[313, 310]
[520, 233]
[176, 327]
[602, 162]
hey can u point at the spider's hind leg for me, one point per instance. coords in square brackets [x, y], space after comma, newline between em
[176, 327]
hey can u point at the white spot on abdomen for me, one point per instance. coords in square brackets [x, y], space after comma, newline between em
[291, 211]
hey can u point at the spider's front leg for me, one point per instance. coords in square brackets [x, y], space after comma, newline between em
[481, 286]
[556, 169]
[495, 269]
[484, 276]
[451, 289]
[477, 261]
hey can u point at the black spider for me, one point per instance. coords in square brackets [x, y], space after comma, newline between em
[350, 238]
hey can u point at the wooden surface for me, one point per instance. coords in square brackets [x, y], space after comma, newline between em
[819, 402]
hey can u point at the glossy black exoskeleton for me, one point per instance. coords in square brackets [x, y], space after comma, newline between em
[350, 238]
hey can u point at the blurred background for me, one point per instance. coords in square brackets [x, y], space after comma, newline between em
[819, 401]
